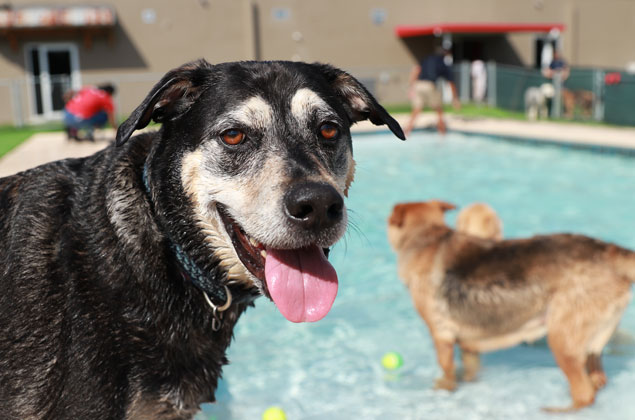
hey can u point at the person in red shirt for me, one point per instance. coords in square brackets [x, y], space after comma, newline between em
[89, 108]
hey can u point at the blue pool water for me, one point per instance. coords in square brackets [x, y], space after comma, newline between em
[332, 370]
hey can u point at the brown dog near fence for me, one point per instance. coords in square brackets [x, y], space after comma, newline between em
[487, 295]
[582, 99]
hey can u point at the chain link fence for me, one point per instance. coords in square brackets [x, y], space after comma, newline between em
[34, 100]
[619, 99]
[586, 94]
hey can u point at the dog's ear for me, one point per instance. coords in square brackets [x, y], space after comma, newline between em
[358, 102]
[398, 214]
[169, 99]
[443, 205]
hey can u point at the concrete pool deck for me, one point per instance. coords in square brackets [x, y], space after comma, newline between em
[46, 147]
[551, 132]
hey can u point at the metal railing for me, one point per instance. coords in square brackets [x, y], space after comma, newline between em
[23, 101]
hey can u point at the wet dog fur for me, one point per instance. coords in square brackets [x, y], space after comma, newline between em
[486, 295]
[100, 317]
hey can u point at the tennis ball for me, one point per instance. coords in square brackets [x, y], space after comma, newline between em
[392, 360]
[274, 413]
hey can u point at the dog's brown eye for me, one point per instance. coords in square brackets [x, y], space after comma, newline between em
[233, 137]
[328, 131]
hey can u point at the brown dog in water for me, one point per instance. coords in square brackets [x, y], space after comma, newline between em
[487, 295]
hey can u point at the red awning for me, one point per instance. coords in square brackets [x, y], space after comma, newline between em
[406, 31]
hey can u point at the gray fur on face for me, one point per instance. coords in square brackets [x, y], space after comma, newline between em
[254, 197]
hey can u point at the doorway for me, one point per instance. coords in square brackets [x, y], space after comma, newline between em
[53, 69]
[544, 47]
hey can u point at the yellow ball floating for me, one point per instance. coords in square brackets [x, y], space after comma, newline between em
[274, 413]
[392, 360]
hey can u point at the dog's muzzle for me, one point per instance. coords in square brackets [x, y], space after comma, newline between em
[300, 281]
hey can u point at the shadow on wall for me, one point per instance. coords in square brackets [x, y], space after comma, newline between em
[499, 49]
[120, 53]
[487, 48]
[468, 47]
[420, 46]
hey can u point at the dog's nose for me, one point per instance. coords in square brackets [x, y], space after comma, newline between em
[314, 205]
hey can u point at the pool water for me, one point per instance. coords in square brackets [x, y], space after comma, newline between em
[332, 369]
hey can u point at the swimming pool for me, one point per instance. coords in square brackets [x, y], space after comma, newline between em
[332, 370]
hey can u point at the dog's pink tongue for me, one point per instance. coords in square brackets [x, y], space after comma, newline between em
[301, 282]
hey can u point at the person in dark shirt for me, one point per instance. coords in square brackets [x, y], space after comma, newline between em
[559, 66]
[423, 87]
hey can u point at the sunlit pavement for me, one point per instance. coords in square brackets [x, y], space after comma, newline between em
[46, 147]
[597, 135]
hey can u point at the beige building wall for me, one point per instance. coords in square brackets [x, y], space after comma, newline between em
[597, 33]
[347, 33]
[153, 36]
[602, 33]
[343, 32]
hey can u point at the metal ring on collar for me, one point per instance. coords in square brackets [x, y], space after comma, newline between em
[220, 308]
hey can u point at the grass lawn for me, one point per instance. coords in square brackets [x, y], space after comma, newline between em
[471, 110]
[468, 110]
[484, 111]
[11, 137]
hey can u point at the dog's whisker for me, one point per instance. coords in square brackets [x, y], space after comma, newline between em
[352, 227]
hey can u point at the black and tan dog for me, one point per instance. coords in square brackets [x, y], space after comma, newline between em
[124, 273]
[491, 294]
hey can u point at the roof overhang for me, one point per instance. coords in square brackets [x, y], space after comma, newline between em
[42, 17]
[407, 31]
[37, 22]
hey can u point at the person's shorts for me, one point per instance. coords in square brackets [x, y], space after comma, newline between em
[96, 121]
[426, 94]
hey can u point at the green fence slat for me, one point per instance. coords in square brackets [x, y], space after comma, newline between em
[619, 101]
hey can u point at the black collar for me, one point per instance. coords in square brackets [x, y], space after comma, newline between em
[190, 271]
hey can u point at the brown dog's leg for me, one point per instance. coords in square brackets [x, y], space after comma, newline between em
[471, 364]
[445, 356]
[596, 372]
[572, 362]
[605, 329]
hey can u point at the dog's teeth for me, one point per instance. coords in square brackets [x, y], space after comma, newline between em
[253, 242]
[263, 253]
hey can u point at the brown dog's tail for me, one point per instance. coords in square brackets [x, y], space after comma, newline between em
[624, 262]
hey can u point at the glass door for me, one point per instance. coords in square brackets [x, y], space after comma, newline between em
[53, 71]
